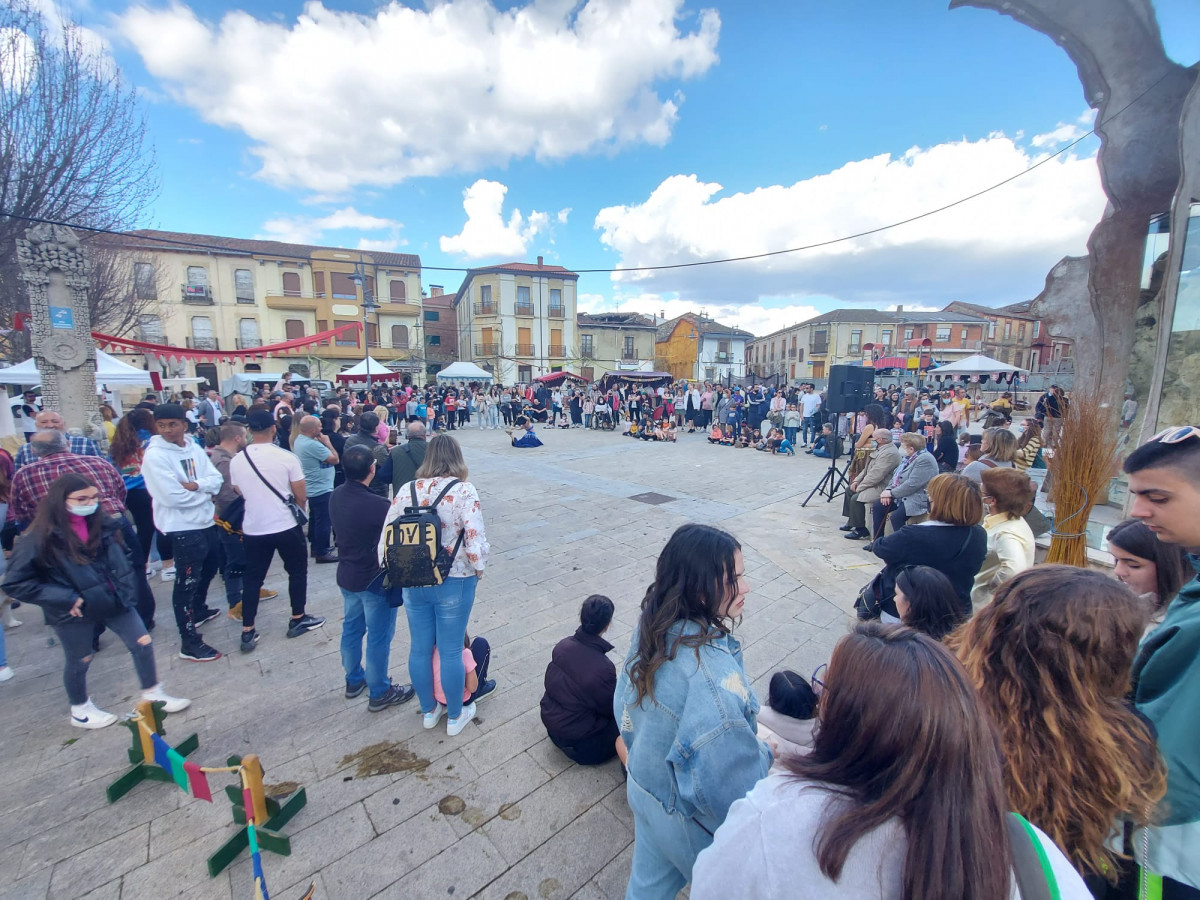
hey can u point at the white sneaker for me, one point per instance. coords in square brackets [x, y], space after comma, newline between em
[454, 726]
[6, 673]
[432, 718]
[10, 621]
[88, 715]
[168, 574]
[171, 704]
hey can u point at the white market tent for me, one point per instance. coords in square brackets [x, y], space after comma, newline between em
[109, 370]
[464, 372]
[359, 372]
[978, 364]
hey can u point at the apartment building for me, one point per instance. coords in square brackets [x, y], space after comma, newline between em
[697, 348]
[517, 319]
[441, 330]
[1015, 335]
[219, 293]
[610, 342]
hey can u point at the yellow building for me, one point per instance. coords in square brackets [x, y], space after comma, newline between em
[218, 293]
[698, 348]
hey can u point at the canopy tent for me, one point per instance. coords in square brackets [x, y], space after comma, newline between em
[646, 378]
[464, 372]
[978, 364]
[559, 377]
[368, 366]
[109, 370]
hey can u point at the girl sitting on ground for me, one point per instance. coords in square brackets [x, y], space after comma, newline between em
[476, 656]
[716, 436]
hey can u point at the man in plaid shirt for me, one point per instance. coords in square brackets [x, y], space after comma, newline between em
[52, 457]
[50, 420]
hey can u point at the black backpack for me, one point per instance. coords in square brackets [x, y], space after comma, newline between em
[413, 553]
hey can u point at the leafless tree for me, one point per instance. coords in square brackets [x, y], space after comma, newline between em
[73, 148]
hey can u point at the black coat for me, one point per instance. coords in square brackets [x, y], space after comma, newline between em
[580, 683]
[957, 551]
[107, 585]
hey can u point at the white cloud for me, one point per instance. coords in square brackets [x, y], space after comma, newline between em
[485, 233]
[311, 229]
[338, 99]
[562, 215]
[753, 317]
[993, 249]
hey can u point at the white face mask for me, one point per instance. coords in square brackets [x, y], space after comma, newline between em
[83, 510]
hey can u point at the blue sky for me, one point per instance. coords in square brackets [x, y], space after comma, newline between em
[633, 133]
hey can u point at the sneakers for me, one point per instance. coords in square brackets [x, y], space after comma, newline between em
[170, 704]
[6, 673]
[431, 719]
[206, 614]
[353, 690]
[9, 620]
[87, 715]
[249, 639]
[235, 612]
[264, 594]
[394, 696]
[485, 690]
[303, 625]
[168, 573]
[195, 650]
[454, 726]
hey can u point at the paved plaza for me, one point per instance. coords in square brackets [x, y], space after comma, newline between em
[395, 811]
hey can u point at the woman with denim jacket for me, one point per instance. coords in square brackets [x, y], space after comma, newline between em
[686, 710]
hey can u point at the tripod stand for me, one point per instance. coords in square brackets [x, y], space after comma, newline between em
[833, 482]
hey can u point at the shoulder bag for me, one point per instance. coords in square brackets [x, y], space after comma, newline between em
[1031, 865]
[290, 502]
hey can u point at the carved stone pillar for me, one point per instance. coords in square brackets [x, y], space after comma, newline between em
[54, 267]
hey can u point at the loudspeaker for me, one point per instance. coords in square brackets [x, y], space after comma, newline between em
[850, 388]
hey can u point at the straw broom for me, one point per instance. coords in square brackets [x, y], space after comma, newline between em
[1081, 468]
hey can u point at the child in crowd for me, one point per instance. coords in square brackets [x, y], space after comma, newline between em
[791, 423]
[716, 436]
[476, 655]
[748, 437]
[973, 452]
[929, 427]
[786, 722]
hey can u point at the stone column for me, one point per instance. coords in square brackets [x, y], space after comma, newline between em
[54, 266]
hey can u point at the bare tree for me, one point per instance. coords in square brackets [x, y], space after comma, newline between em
[73, 148]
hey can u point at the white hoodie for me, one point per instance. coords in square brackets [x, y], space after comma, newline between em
[166, 467]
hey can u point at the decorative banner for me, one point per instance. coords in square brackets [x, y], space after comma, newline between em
[166, 354]
[198, 780]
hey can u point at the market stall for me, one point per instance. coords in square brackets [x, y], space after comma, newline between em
[463, 373]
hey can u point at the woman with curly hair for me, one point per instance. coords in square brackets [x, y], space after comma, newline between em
[685, 708]
[1051, 657]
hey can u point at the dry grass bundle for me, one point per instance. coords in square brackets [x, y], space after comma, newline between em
[1081, 468]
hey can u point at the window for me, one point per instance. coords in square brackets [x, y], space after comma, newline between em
[145, 285]
[197, 276]
[399, 336]
[886, 340]
[908, 334]
[585, 344]
[433, 340]
[370, 287]
[343, 286]
[943, 334]
[556, 299]
[201, 326]
[524, 374]
[1037, 329]
[962, 338]
[294, 328]
[523, 295]
[397, 291]
[855, 342]
[819, 342]
[432, 315]
[524, 306]
[150, 328]
[1007, 330]
[1021, 332]
[291, 284]
[243, 285]
[346, 338]
[319, 283]
[208, 372]
[248, 334]
[991, 330]
[372, 334]
[485, 293]
[629, 345]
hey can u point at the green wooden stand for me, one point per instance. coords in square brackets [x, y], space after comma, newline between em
[147, 769]
[269, 837]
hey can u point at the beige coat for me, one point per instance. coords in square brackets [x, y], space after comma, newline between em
[1010, 549]
[881, 465]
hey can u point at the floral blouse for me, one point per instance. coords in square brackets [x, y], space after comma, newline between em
[459, 511]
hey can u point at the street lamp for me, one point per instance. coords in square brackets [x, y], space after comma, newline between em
[368, 306]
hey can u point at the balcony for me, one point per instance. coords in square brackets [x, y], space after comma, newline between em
[557, 312]
[722, 357]
[792, 353]
[819, 348]
[628, 355]
[197, 294]
[490, 349]
[525, 350]
[524, 309]
[203, 343]
[397, 307]
[854, 349]
[557, 351]
[485, 309]
[291, 300]
[249, 343]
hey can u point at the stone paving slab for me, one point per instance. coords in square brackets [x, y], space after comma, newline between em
[497, 812]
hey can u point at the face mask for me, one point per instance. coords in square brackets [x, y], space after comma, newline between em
[83, 510]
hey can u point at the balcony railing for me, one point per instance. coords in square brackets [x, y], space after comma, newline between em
[722, 357]
[203, 343]
[854, 349]
[792, 353]
[557, 312]
[818, 348]
[525, 350]
[627, 355]
[558, 351]
[524, 309]
[485, 309]
[491, 349]
[248, 343]
[199, 294]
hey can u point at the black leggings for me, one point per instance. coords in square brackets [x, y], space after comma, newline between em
[594, 749]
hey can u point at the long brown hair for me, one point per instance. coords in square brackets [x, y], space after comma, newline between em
[126, 446]
[695, 573]
[51, 530]
[902, 734]
[1051, 655]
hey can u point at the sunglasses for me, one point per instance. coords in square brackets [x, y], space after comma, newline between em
[817, 680]
[1176, 435]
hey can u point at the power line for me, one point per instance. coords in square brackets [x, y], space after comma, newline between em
[213, 248]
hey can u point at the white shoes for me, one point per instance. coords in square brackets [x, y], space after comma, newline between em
[454, 726]
[87, 715]
[432, 718]
[168, 574]
[6, 673]
[9, 620]
[171, 704]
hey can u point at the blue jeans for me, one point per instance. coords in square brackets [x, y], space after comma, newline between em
[665, 847]
[810, 430]
[367, 614]
[233, 565]
[790, 432]
[319, 523]
[438, 616]
[786, 446]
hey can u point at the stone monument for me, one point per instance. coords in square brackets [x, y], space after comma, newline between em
[54, 266]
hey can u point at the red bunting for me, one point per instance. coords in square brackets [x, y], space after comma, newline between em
[199, 782]
[164, 351]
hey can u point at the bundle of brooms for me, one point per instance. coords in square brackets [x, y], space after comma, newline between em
[1081, 469]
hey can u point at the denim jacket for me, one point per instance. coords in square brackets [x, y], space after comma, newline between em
[693, 747]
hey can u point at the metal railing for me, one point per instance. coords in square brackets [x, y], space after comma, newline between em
[558, 351]
[485, 309]
[525, 350]
[627, 355]
[249, 343]
[557, 312]
[203, 343]
[524, 309]
[199, 294]
[489, 349]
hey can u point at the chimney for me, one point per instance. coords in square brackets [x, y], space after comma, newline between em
[899, 308]
[539, 262]
[436, 290]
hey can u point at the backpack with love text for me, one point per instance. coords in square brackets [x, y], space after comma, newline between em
[413, 552]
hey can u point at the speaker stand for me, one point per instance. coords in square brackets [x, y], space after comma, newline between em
[832, 483]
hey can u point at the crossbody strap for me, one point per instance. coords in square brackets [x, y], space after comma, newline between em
[270, 486]
[1031, 865]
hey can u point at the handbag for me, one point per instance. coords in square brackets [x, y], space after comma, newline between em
[290, 502]
[381, 586]
[231, 518]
